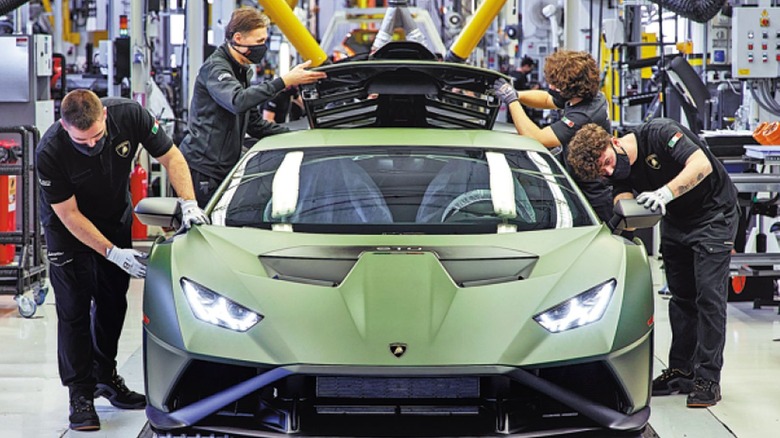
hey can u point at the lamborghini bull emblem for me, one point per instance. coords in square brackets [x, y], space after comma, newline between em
[398, 349]
[652, 161]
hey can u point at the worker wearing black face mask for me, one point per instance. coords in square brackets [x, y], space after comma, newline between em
[83, 163]
[674, 173]
[224, 107]
[573, 80]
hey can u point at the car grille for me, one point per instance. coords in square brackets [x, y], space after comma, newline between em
[398, 387]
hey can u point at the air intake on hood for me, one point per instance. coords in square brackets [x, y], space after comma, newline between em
[468, 266]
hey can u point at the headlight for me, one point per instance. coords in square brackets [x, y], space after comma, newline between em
[578, 311]
[213, 308]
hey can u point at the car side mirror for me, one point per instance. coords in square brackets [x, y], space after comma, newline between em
[629, 215]
[159, 212]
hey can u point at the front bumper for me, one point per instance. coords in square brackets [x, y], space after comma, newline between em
[214, 395]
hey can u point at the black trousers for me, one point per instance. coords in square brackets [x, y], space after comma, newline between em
[91, 296]
[205, 187]
[696, 260]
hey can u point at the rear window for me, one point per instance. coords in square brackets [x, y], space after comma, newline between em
[366, 190]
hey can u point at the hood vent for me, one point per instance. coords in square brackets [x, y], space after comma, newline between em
[467, 266]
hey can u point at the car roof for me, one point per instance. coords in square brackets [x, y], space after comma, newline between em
[428, 137]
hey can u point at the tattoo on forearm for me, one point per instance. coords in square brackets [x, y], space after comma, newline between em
[682, 188]
[700, 176]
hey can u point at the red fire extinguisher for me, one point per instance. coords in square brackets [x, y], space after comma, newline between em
[139, 188]
[7, 200]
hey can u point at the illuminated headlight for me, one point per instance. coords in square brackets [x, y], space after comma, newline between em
[211, 307]
[578, 311]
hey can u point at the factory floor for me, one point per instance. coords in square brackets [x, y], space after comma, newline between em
[33, 404]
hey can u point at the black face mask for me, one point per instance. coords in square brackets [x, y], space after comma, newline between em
[558, 100]
[622, 167]
[91, 151]
[255, 54]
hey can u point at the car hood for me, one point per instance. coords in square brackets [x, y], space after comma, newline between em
[389, 289]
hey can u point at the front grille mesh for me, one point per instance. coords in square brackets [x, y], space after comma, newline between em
[398, 387]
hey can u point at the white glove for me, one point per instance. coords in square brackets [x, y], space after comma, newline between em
[505, 91]
[126, 259]
[191, 214]
[657, 199]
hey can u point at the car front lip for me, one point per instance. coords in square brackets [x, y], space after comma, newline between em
[603, 416]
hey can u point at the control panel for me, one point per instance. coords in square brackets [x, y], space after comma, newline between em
[755, 42]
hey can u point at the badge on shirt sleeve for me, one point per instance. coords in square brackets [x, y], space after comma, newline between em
[156, 127]
[675, 138]
[652, 161]
[123, 149]
[568, 122]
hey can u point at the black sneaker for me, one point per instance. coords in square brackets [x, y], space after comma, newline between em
[705, 393]
[118, 394]
[672, 381]
[82, 414]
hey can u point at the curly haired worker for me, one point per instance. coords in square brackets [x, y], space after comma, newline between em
[573, 80]
[663, 161]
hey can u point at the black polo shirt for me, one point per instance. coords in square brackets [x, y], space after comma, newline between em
[573, 118]
[100, 183]
[663, 147]
[580, 114]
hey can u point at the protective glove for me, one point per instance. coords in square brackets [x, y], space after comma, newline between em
[657, 199]
[191, 214]
[127, 259]
[505, 91]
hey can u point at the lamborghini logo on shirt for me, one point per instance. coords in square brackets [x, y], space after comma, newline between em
[652, 161]
[123, 149]
[398, 349]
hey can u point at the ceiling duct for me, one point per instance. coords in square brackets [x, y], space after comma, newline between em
[700, 11]
[8, 6]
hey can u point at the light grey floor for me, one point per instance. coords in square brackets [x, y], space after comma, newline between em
[33, 404]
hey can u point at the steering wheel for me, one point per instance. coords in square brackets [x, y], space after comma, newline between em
[464, 200]
[525, 211]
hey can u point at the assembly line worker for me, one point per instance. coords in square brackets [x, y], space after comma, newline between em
[285, 105]
[573, 81]
[663, 161]
[83, 163]
[520, 79]
[224, 107]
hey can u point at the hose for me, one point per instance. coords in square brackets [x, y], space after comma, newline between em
[8, 6]
[700, 11]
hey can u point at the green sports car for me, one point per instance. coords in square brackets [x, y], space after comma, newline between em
[400, 268]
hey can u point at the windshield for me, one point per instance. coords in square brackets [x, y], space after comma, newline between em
[378, 189]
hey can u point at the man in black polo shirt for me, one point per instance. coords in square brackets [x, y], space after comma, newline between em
[663, 161]
[573, 80]
[83, 163]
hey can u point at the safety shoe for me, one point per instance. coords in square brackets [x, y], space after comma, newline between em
[705, 393]
[82, 414]
[118, 394]
[672, 381]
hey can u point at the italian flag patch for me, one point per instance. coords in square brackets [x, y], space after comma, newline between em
[155, 128]
[568, 122]
[675, 138]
